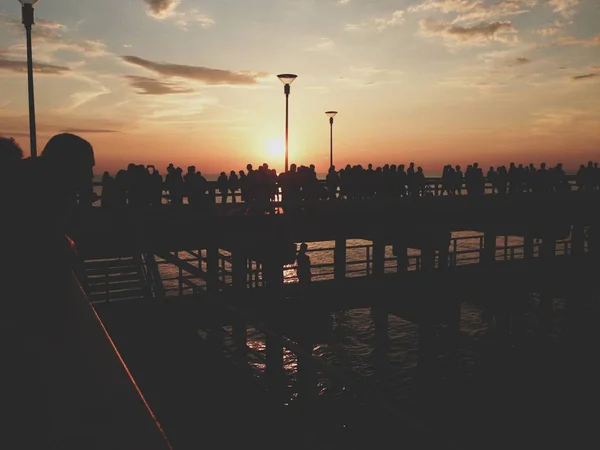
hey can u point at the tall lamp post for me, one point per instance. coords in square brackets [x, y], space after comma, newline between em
[331, 115]
[287, 79]
[28, 21]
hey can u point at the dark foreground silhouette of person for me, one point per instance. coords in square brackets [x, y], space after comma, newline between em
[38, 199]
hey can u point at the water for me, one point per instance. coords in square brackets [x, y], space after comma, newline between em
[351, 347]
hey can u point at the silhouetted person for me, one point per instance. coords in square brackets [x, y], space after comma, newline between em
[303, 261]
[37, 283]
[10, 153]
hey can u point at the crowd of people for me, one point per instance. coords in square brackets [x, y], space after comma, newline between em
[141, 185]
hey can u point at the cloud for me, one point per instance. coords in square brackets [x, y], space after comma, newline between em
[192, 17]
[197, 73]
[445, 6]
[10, 65]
[324, 44]
[378, 23]
[470, 35]
[478, 10]
[152, 86]
[77, 99]
[570, 40]
[160, 9]
[87, 130]
[518, 62]
[547, 31]
[587, 76]
[168, 9]
[564, 7]
[48, 38]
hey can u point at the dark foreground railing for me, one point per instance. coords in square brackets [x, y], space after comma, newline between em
[98, 402]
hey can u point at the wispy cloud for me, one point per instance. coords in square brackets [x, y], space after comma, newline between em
[585, 42]
[378, 23]
[49, 38]
[476, 11]
[587, 76]
[324, 44]
[470, 35]
[197, 73]
[518, 62]
[88, 130]
[10, 65]
[152, 86]
[193, 17]
[565, 8]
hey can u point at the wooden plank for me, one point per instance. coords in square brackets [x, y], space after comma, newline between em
[113, 287]
[119, 295]
[102, 263]
[112, 270]
[101, 279]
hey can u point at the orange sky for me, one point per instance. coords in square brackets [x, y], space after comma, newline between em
[188, 82]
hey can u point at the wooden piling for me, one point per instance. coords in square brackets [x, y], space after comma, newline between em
[306, 375]
[212, 268]
[378, 258]
[488, 253]
[339, 259]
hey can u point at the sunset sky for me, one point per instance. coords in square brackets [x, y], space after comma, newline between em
[194, 81]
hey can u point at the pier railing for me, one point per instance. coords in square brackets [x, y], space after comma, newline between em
[431, 186]
[190, 277]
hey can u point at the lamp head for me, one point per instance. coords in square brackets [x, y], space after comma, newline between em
[287, 78]
[29, 2]
[331, 114]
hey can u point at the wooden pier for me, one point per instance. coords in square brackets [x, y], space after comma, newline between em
[233, 268]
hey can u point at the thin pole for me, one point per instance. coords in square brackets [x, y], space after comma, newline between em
[287, 98]
[331, 142]
[32, 128]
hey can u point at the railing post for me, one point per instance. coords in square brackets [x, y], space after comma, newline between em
[238, 269]
[427, 258]
[107, 284]
[444, 253]
[339, 259]
[528, 247]
[488, 252]
[401, 253]
[212, 268]
[577, 240]
[180, 282]
[378, 258]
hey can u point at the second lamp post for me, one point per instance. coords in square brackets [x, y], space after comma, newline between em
[331, 115]
[287, 79]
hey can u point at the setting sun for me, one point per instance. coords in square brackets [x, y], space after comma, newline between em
[276, 147]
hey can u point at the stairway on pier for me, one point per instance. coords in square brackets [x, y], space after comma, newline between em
[114, 279]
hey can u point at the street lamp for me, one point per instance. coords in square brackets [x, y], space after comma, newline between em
[287, 79]
[28, 21]
[331, 115]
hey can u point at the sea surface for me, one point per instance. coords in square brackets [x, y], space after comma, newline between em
[351, 346]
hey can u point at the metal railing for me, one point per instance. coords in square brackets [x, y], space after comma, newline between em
[187, 282]
[431, 186]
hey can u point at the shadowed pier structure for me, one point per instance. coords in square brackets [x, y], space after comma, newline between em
[292, 315]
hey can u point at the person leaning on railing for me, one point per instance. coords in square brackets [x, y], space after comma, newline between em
[36, 282]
